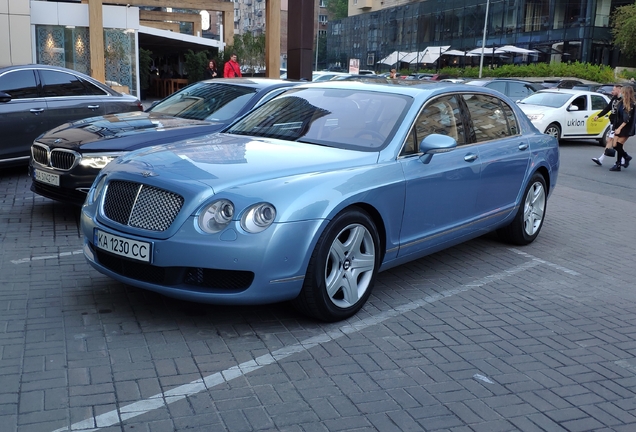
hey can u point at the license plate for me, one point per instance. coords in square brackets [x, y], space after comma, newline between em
[121, 246]
[48, 178]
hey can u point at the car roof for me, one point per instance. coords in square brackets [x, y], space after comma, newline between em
[570, 91]
[257, 83]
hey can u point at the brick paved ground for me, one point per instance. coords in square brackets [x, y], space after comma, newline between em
[481, 337]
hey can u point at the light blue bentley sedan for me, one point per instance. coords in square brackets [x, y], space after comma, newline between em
[308, 196]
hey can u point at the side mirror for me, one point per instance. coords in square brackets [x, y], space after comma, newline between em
[5, 97]
[436, 143]
[573, 108]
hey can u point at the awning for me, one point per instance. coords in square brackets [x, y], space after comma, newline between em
[393, 58]
[165, 42]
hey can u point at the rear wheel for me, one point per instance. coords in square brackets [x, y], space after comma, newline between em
[554, 130]
[342, 269]
[528, 221]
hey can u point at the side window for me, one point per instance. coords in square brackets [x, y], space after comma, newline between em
[500, 86]
[19, 84]
[580, 102]
[512, 120]
[489, 117]
[61, 84]
[598, 103]
[517, 90]
[440, 116]
[92, 89]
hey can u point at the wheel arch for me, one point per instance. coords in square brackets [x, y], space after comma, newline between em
[377, 219]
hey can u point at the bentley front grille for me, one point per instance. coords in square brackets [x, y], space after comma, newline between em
[141, 206]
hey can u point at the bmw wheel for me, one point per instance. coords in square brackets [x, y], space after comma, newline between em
[528, 221]
[554, 130]
[342, 269]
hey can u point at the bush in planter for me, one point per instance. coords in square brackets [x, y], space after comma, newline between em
[145, 62]
[195, 64]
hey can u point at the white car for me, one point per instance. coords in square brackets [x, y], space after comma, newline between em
[567, 114]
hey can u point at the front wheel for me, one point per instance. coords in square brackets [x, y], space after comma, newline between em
[528, 221]
[553, 130]
[342, 268]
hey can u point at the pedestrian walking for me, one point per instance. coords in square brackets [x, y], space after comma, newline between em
[232, 68]
[625, 114]
[612, 108]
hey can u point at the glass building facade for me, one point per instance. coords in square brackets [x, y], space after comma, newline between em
[559, 30]
[69, 47]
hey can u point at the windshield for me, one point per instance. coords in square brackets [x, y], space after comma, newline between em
[552, 100]
[343, 118]
[206, 101]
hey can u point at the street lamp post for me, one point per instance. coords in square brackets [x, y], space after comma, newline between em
[483, 41]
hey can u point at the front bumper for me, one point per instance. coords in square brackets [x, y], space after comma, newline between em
[231, 267]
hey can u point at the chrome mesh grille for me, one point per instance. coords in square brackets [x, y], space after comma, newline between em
[40, 154]
[63, 160]
[141, 206]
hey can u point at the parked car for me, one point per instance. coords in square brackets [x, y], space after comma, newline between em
[513, 88]
[326, 75]
[66, 160]
[419, 76]
[309, 195]
[588, 87]
[567, 114]
[562, 83]
[363, 78]
[36, 98]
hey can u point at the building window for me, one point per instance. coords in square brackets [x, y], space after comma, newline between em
[322, 19]
[323, 3]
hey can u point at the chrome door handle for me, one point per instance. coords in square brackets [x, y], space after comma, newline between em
[470, 157]
[523, 146]
[93, 107]
[36, 111]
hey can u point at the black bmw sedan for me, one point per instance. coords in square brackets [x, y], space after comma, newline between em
[36, 98]
[66, 160]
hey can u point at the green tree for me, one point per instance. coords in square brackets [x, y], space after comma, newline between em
[250, 51]
[195, 64]
[338, 9]
[623, 23]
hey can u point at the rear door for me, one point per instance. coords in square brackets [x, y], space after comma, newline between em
[504, 155]
[68, 98]
[22, 118]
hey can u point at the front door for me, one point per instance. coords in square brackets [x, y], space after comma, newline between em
[22, 118]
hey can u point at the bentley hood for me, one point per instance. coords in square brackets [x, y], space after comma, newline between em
[223, 161]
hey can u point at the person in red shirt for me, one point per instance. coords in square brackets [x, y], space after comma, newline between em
[232, 68]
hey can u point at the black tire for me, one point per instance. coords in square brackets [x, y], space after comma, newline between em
[554, 130]
[526, 225]
[342, 269]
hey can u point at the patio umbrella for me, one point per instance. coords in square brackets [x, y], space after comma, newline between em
[432, 53]
[455, 53]
[392, 58]
[513, 50]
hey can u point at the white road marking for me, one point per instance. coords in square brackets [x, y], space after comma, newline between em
[45, 257]
[555, 266]
[178, 393]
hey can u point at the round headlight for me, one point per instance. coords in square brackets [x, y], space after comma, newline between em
[258, 217]
[216, 216]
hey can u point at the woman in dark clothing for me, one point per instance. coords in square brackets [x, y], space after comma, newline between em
[210, 71]
[626, 126]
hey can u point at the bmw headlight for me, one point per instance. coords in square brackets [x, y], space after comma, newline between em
[98, 160]
[216, 216]
[258, 217]
[96, 190]
[535, 117]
